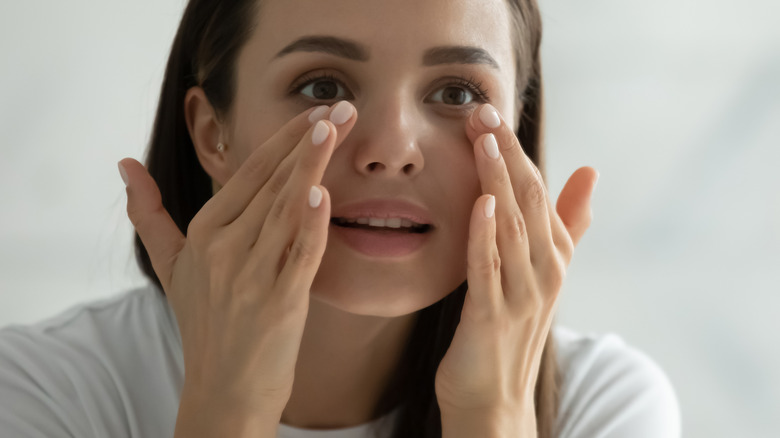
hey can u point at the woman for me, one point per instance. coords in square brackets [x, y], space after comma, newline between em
[346, 229]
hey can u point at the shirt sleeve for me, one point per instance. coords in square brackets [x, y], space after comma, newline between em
[37, 399]
[615, 391]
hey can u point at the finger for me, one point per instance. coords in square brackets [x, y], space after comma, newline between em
[528, 185]
[281, 225]
[225, 206]
[161, 237]
[250, 222]
[305, 253]
[574, 202]
[483, 262]
[512, 238]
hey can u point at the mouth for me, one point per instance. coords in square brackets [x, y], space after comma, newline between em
[383, 226]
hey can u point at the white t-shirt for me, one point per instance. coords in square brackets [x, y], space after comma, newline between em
[114, 368]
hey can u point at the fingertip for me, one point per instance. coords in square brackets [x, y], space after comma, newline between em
[317, 113]
[490, 206]
[123, 173]
[315, 196]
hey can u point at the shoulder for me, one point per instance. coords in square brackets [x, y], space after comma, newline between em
[611, 389]
[90, 368]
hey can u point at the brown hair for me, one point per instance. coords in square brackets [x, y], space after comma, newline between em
[204, 53]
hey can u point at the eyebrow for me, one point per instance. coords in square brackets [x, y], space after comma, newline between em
[357, 52]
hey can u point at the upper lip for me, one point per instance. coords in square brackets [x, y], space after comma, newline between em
[384, 209]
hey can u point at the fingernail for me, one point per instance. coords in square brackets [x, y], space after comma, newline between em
[320, 132]
[341, 112]
[490, 206]
[315, 197]
[123, 173]
[318, 113]
[489, 116]
[596, 182]
[490, 146]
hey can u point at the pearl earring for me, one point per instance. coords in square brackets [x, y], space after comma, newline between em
[220, 147]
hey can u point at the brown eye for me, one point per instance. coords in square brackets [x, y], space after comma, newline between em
[453, 96]
[322, 89]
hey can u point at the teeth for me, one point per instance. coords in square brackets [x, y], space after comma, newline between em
[377, 222]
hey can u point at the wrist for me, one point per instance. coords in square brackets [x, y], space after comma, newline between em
[207, 415]
[499, 422]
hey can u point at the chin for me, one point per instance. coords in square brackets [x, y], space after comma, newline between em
[375, 300]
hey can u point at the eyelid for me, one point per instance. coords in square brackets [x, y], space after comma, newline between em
[469, 83]
[313, 76]
[472, 85]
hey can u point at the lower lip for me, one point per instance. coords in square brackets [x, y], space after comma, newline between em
[381, 243]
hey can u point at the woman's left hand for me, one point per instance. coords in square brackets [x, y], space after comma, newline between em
[517, 261]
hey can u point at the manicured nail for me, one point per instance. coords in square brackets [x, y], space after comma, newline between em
[341, 112]
[489, 116]
[318, 113]
[315, 197]
[490, 146]
[320, 132]
[123, 173]
[490, 206]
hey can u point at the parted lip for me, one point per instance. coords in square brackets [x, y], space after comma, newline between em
[384, 209]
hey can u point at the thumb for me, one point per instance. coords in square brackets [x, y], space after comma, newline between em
[573, 204]
[158, 232]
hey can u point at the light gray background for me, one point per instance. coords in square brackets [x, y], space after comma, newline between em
[676, 103]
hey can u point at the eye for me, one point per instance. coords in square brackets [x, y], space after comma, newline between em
[323, 87]
[453, 96]
[461, 92]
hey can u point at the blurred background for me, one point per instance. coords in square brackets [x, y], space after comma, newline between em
[675, 103]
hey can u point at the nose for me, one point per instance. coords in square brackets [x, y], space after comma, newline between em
[386, 139]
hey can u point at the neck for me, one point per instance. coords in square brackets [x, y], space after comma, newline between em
[344, 365]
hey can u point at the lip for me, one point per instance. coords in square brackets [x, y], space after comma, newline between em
[378, 243]
[384, 209]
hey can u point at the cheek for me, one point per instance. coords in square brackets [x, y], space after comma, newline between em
[256, 125]
[463, 183]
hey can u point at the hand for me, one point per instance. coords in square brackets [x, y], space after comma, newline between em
[516, 265]
[239, 282]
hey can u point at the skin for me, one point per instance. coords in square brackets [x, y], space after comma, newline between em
[403, 144]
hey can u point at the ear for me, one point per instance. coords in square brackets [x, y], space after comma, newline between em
[206, 132]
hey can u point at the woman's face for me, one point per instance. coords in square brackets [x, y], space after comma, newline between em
[409, 140]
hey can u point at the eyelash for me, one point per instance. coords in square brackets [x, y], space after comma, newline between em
[473, 86]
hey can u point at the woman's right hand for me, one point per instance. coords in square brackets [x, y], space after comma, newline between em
[239, 282]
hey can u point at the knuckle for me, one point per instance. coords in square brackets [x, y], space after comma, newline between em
[514, 151]
[487, 267]
[303, 253]
[501, 178]
[555, 274]
[514, 227]
[276, 183]
[217, 249]
[535, 193]
[279, 208]
[257, 166]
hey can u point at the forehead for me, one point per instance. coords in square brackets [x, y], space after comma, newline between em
[397, 30]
